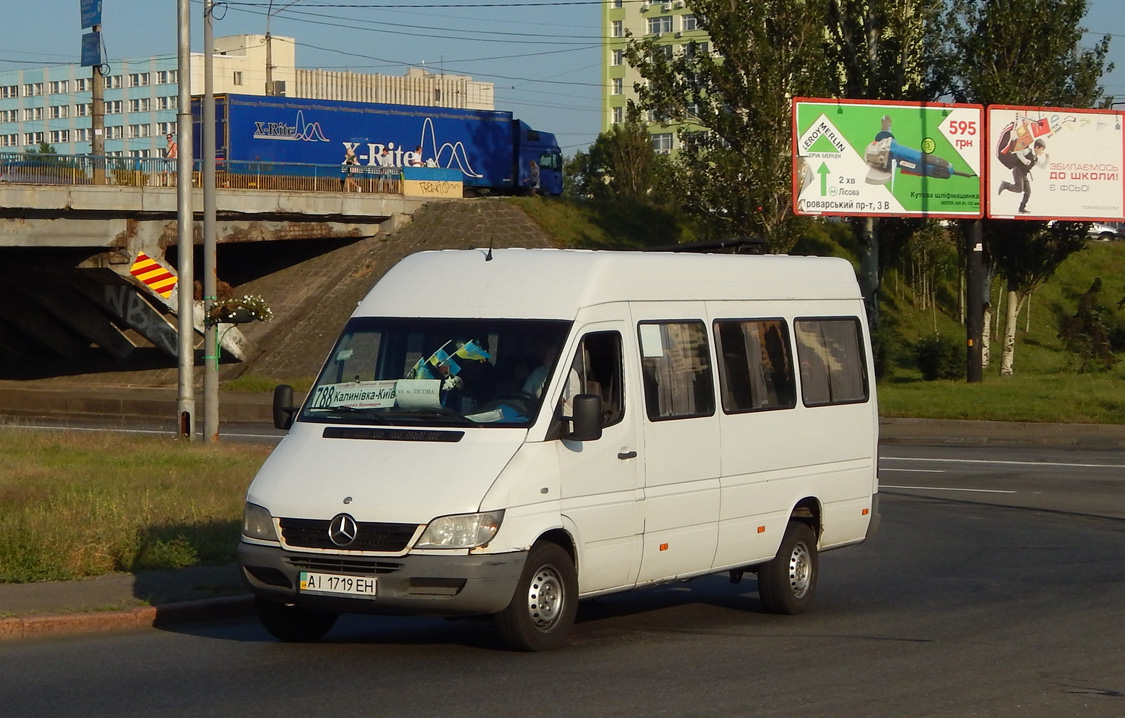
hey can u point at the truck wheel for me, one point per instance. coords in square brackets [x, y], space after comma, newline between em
[787, 583]
[543, 608]
[293, 623]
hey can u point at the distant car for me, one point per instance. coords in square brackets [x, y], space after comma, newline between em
[1106, 231]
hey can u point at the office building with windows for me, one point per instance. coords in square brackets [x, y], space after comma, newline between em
[141, 97]
[675, 28]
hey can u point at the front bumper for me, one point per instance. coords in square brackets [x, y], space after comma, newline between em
[459, 585]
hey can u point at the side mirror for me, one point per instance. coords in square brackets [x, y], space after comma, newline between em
[283, 409]
[587, 421]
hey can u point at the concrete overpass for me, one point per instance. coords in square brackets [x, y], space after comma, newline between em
[67, 251]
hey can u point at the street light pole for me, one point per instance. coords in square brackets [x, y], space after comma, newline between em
[185, 232]
[269, 46]
[212, 350]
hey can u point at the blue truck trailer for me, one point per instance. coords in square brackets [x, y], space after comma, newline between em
[495, 152]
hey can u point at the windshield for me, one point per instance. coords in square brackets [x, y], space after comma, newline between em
[437, 372]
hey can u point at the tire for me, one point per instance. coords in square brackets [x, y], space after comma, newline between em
[543, 608]
[293, 623]
[787, 583]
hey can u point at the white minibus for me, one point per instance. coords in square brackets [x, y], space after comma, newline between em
[507, 432]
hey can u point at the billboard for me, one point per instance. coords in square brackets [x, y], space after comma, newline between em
[1055, 163]
[883, 158]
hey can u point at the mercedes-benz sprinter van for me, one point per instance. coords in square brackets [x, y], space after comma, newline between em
[506, 432]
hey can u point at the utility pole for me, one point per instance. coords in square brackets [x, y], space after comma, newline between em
[185, 232]
[212, 350]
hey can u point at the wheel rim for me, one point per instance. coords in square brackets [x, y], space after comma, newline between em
[800, 571]
[545, 598]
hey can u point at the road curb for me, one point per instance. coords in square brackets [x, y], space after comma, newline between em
[22, 627]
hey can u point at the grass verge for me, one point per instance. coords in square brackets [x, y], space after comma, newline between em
[78, 505]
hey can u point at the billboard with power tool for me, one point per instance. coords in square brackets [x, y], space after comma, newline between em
[882, 158]
[1055, 163]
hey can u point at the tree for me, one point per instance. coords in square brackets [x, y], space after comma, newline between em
[1024, 52]
[882, 50]
[735, 161]
[620, 165]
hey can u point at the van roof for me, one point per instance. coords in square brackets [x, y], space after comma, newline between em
[556, 283]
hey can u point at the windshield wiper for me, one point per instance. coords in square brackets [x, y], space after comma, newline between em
[444, 414]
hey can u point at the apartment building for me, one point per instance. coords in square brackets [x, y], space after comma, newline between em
[141, 97]
[674, 26]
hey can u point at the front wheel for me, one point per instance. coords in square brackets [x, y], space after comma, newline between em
[545, 603]
[293, 623]
[787, 583]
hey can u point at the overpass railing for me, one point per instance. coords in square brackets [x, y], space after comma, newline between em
[48, 169]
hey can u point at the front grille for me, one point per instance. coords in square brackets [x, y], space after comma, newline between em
[370, 536]
[342, 565]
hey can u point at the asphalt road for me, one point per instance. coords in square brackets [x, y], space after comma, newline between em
[971, 601]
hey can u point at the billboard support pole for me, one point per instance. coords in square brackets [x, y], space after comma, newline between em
[974, 302]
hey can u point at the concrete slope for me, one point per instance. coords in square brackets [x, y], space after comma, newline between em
[312, 300]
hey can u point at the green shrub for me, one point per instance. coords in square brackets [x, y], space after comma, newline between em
[939, 358]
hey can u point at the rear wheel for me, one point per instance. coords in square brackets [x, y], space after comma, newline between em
[293, 623]
[787, 583]
[545, 603]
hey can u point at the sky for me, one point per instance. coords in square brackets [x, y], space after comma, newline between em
[542, 55]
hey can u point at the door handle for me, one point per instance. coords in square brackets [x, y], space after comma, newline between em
[623, 455]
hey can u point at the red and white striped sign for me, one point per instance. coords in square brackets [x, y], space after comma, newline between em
[154, 276]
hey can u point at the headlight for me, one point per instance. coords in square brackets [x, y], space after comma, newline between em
[464, 531]
[257, 523]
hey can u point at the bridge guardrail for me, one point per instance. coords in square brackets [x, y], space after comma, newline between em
[49, 169]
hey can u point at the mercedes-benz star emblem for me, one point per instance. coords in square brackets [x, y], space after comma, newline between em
[342, 530]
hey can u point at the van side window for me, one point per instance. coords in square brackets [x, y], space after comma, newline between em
[598, 366]
[830, 354]
[755, 365]
[677, 370]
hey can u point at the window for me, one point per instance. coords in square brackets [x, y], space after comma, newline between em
[81, 85]
[755, 365]
[82, 110]
[9, 140]
[618, 86]
[58, 87]
[32, 89]
[618, 115]
[696, 48]
[663, 51]
[32, 113]
[112, 82]
[3, 115]
[660, 24]
[138, 79]
[617, 29]
[596, 369]
[143, 104]
[82, 134]
[164, 128]
[237, 77]
[690, 23]
[33, 138]
[677, 370]
[113, 107]
[113, 132]
[617, 58]
[616, 4]
[170, 102]
[833, 367]
[140, 131]
[60, 136]
[662, 143]
[140, 153]
[7, 91]
[59, 112]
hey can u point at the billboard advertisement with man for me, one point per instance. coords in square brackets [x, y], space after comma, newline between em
[1055, 163]
[882, 158]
